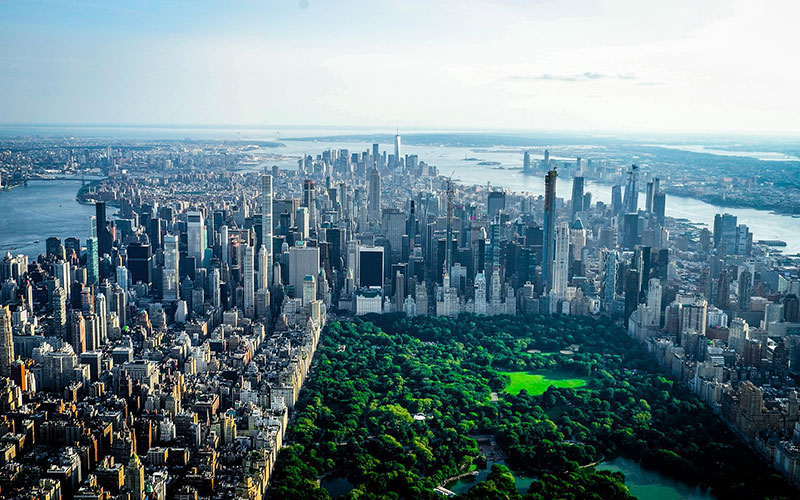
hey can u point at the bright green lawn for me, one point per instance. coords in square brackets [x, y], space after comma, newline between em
[536, 383]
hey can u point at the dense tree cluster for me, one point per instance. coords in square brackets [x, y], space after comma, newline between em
[393, 404]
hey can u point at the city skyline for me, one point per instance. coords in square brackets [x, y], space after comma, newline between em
[407, 249]
[587, 66]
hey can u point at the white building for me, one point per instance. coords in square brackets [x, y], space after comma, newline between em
[196, 237]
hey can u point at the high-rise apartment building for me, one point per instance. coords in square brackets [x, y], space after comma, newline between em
[6, 342]
[549, 228]
[196, 237]
[266, 226]
[561, 262]
[170, 285]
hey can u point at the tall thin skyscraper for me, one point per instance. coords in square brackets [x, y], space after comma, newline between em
[196, 237]
[616, 200]
[60, 312]
[577, 196]
[101, 311]
[224, 242]
[609, 275]
[214, 291]
[631, 200]
[170, 286]
[561, 261]
[6, 342]
[92, 260]
[398, 161]
[659, 206]
[448, 252]
[745, 289]
[649, 197]
[374, 198]
[78, 333]
[264, 268]
[249, 282]
[103, 234]
[266, 229]
[549, 228]
[309, 202]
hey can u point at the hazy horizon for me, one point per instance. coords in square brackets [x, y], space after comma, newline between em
[608, 66]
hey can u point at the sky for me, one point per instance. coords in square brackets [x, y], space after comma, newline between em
[707, 66]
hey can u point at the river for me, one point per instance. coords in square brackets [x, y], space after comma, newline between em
[40, 210]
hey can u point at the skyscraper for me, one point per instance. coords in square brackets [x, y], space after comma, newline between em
[397, 152]
[266, 226]
[725, 230]
[654, 292]
[101, 311]
[6, 342]
[616, 200]
[480, 293]
[103, 234]
[170, 286]
[214, 291]
[631, 200]
[59, 312]
[140, 262]
[264, 269]
[745, 289]
[196, 237]
[309, 202]
[369, 267]
[92, 261]
[134, 478]
[561, 262]
[122, 278]
[78, 332]
[577, 196]
[303, 261]
[495, 203]
[374, 197]
[632, 279]
[659, 206]
[630, 230]
[549, 227]
[249, 282]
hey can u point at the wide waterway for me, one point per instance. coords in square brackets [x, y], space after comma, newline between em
[40, 210]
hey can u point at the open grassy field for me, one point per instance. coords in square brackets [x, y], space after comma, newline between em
[535, 383]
